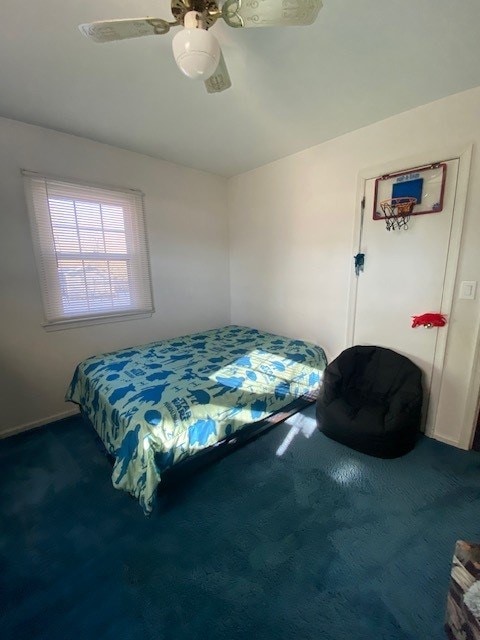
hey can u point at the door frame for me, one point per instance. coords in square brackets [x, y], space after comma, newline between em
[472, 405]
[464, 155]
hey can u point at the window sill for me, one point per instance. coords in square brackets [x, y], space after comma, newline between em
[86, 322]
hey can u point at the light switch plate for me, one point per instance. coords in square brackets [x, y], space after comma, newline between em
[468, 290]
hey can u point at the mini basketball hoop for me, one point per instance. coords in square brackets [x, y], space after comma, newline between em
[397, 212]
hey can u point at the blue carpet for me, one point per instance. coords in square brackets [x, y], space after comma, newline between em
[319, 543]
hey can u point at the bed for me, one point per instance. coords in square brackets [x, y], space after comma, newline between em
[159, 404]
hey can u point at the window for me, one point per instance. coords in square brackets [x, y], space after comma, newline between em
[91, 250]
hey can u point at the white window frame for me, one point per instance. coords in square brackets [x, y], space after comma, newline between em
[132, 258]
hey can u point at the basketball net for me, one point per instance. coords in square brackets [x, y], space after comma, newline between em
[397, 212]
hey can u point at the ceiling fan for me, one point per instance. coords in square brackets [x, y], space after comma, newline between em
[196, 51]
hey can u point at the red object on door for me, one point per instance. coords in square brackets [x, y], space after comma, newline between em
[429, 320]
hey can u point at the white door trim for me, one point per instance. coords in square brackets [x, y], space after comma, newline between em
[464, 155]
[473, 397]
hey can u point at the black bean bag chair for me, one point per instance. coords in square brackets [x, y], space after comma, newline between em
[371, 401]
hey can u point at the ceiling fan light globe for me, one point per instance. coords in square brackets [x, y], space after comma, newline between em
[196, 53]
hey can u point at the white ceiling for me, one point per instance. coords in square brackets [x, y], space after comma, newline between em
[362, 61]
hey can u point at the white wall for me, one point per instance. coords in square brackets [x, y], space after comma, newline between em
[291, 238]
[187, 230]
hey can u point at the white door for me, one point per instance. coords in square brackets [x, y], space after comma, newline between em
[404, 275]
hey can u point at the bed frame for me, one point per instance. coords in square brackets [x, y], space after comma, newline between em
[184, 469]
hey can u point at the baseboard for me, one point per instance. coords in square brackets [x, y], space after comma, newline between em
[38, 423]
[447, 440]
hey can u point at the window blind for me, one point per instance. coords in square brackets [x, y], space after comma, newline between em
[91, 250]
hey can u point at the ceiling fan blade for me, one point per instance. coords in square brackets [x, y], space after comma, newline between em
[270, 13]
[220, 80]
[108, 30]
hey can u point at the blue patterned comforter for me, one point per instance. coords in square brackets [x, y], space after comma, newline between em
[157, 404]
